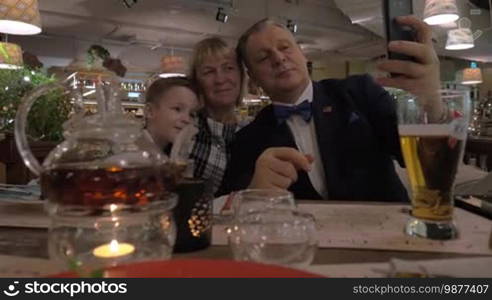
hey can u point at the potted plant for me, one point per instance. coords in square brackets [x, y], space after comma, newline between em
[44, 122]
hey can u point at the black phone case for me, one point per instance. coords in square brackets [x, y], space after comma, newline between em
[395, 31]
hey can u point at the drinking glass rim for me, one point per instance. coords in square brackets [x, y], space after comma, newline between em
[444, 92]
[293, 215]
[279, 194]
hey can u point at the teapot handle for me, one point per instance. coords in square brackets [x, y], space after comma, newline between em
[21, 123]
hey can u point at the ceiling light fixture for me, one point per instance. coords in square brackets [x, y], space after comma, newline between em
[221, 16]
[129, 3]
[20, 17]
[292, 26]
[10, 56]
[172, 66]
[460, 39]
[438, 12]
[170, 75]
[472, 75]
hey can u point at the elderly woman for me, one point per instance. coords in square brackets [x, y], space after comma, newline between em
[219, 77]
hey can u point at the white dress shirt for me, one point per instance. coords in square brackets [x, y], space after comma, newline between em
[305, 138]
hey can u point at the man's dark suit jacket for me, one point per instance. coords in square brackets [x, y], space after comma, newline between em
[357, 132]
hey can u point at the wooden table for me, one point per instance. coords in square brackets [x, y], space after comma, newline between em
[30, 242]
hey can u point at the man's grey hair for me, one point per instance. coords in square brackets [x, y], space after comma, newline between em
[257, 27]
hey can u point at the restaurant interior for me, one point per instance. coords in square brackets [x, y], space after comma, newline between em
[84, 45]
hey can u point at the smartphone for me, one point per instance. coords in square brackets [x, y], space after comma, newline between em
[395, 31]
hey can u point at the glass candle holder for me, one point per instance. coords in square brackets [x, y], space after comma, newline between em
[274, 236]
[88, 240]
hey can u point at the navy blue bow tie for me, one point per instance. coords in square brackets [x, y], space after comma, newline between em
[283, 112]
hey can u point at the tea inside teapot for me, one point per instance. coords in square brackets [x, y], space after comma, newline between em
[102, 160]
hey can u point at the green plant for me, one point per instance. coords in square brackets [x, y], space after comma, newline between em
[112, 64]
[48, 113]
[96, 51]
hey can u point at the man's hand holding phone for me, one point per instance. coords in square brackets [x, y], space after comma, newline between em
[420, 77]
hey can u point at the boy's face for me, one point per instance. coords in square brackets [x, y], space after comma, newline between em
[171, 113]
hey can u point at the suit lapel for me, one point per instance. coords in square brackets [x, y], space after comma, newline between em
[327, 116]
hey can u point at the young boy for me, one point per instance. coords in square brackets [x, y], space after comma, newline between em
[171, 105]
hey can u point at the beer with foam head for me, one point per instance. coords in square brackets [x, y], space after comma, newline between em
[431, 154]
[433, 130]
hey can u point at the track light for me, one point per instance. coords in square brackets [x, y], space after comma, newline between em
[129, 3]
[221, 16]
[292, 26]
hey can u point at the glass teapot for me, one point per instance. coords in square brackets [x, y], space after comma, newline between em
[102, 160]
[102, 185]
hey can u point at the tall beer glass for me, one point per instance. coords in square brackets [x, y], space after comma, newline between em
[432, 138]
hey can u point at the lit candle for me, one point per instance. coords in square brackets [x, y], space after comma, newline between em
[113, 249]
[113, 207]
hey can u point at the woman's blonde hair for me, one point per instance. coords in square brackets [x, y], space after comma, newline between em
[215, 47]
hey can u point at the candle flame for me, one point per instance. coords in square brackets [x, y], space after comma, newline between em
[113, 207]
[113, 249]
[114, 246]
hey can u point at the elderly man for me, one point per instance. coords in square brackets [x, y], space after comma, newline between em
[333, 139]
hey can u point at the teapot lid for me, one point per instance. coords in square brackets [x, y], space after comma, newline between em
[108, 138]
[108, 123]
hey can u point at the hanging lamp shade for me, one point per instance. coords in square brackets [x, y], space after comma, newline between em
[472, 76]
[460, 39]
[10, 56]
[20, 17]
[440, 11]
[172, 66]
